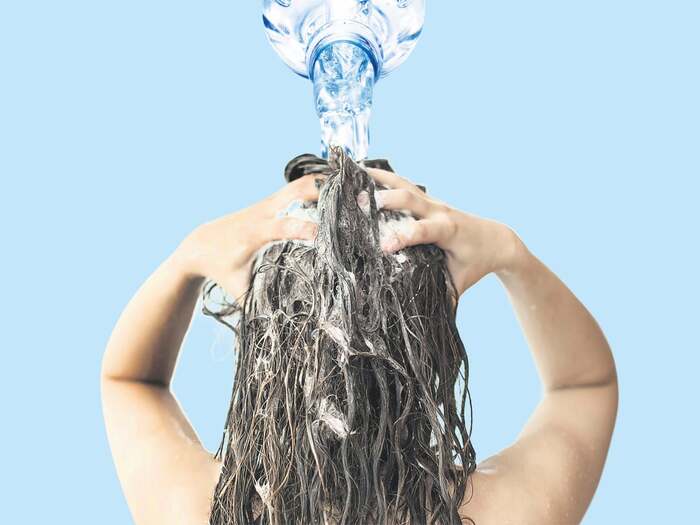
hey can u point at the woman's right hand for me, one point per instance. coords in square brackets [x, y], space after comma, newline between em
[223, 249]
[475, 246]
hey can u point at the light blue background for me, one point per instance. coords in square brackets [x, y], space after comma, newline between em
[125, 124]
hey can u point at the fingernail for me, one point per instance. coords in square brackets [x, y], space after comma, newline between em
[390, 244]
[404, 229]
[363, 200]
[378, 198]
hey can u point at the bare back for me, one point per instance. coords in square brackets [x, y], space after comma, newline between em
[546, 477]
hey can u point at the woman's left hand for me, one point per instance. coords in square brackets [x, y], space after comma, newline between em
[475, 246]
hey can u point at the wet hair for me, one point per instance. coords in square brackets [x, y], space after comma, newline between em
[343, 407]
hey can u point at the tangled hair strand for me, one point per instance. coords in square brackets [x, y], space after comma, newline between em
[343, 407]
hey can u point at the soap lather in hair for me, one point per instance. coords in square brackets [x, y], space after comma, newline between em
[354, 352]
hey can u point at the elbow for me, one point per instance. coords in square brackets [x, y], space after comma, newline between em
[602, 375]
[614, 388]
[111, 372]
[106, 372]
[610, 378]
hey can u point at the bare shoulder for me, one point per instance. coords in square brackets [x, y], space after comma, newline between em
[497, 496]
[549, 475]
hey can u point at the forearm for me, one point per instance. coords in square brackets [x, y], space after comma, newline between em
[146, 340]
[568, 346]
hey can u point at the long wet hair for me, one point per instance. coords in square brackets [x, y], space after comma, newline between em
[343, 407]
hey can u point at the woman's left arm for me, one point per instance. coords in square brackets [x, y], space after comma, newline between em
[157, 453]
[166, 474]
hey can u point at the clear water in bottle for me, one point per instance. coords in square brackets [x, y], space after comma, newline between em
[344, 47]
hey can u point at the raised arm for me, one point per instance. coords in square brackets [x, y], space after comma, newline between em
[160, 461]
[146, 340]
[550, 473]
[560, 453]
[152, 442]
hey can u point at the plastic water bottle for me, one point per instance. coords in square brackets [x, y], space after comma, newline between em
[343, 47]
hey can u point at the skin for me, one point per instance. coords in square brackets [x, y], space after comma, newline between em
[547, 476]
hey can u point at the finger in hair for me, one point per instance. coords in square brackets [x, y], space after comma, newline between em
[404, 199]
[293, 228]
[304, 188]
[390, 179]
[403, 234]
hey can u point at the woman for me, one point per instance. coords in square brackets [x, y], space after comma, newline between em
[548, 476]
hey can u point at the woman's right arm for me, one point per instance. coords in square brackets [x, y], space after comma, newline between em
[550, 473]
[560, 453]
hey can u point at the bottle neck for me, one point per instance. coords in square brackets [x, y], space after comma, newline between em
[344, 64]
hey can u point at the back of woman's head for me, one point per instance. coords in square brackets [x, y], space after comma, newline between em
[343, 407]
